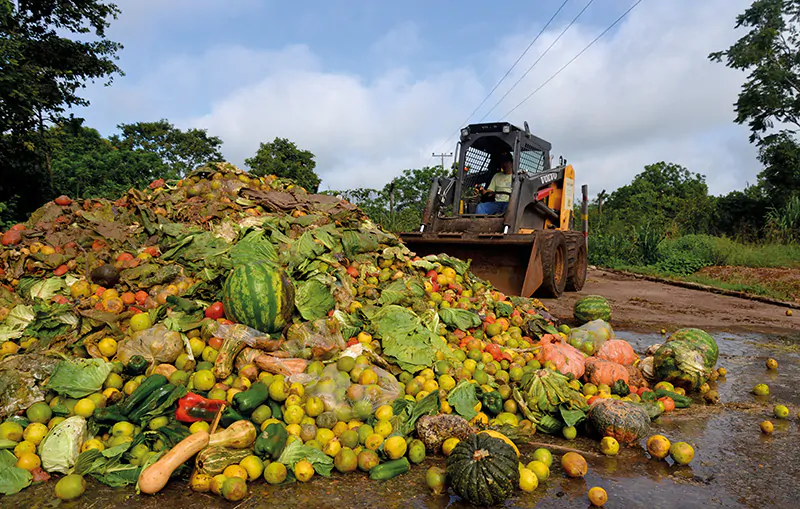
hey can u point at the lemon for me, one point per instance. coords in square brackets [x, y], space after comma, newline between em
[543, 455]
[92, 444]
[293, 414]
[235, 471]
[28, 461]
[767, 427]
[70, 487]
[24, 447]
[199, 426]
[84, 407]
[107, 347]
[39, 412]
[275, 473]
[383, 428]
[35, 432]
[541, 470]
[780, 411]
[384, 413]
[681, 453]
[201, 483]
[597, 496]
[216, 484]
[253, 466]
[449, 445]
[141, 321]
[528, 481]
[303, 471]
[11, 431]
[395, 447]
[609, 446]
[122, 429]
[658, 446]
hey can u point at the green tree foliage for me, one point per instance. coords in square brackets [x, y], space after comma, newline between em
[665, 195]
[86, 165]
[43, 66]
[769, 102]
[281, 157]
[398, 205]
[180, 151]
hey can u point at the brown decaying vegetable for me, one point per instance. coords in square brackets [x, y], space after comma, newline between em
[277, 366]
[153, 478]
[566, 358]
[601, 371]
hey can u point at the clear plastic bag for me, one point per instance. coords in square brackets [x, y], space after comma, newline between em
[320, 340]
[157, 344]
[596, 332]
[351, 399]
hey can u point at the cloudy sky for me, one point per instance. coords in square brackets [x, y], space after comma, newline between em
[373, 88]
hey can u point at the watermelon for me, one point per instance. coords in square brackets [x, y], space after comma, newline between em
[701, 341]
[259, 295]
[591, 307]
[682, 364]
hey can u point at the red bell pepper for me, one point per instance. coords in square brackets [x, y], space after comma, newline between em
[193, 408]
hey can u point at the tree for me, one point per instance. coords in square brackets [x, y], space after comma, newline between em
[43, 68]
[770, 98]
[86, 165]
[664, 194]
[281, 157]
[180, 151]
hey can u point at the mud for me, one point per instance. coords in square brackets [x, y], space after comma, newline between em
[735, 465]
[646, 306]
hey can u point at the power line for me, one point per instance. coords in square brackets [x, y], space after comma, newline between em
[538, 59]
[514, 64]
[508, 71]
[604, 32]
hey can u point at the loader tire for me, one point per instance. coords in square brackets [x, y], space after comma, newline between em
[577, 263]
[554, 263]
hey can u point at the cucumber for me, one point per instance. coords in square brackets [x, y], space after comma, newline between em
[680, 401]
[386, 471]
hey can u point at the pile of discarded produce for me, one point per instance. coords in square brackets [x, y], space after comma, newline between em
[228, 329]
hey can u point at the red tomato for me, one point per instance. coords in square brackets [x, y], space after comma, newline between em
[351, 342]
[63, 200]
[431, 274]
[215, 343]
[352, 271]
[61, 270]
[215, 311]
[141, 297]
[151, 250]
[11, 237]
[123, 257]
[98, 244]
[669, 404]
[495, 351]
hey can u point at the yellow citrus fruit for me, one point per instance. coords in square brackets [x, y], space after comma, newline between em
[92, 444]
[235, 471]
[373, 441]
[772, 364]
[781, 411]
[141, 321]
[543, 455]
[767, 427]
[84, 407]
[216, 484]
[658, 446]
[24, 447]
[681, 453]
[70, 487]
[597, 496]
[449, 445]
[303, 471]
[395, 447]
[609, 446]
[11, 431]
[107, 347]
[528, 481]
[384, 413]
[200, 483]
[199, 426]
[383, 428]
[35, 432]
[275, 473]
[253, 466]
[28, 461]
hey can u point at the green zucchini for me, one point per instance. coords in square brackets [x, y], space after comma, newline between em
[680, 401]
[151, 402]
[386, 471]
[145, 389]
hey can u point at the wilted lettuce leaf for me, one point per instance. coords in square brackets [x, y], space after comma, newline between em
[313, 299]
[15, 323]
[295, 452]
[459, 318]
[12, 478]
[107, 467]
[78, 378]
[403, 291]
[404, 338]
[463, 399]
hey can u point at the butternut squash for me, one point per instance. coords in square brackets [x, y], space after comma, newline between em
[239, 435]
[155, 477]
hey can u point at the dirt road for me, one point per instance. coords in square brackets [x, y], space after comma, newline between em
[645, 305]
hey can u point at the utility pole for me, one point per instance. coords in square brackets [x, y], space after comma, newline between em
[442, 155]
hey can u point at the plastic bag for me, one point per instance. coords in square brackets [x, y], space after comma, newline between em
[278, 366]
[353, 400]
[319, 340]
[566, 358]
[596, 332]
[157, 344]
[619, 351]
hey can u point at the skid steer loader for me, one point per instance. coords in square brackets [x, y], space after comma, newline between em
[528, 247]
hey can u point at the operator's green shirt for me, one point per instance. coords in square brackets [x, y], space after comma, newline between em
[501, 182]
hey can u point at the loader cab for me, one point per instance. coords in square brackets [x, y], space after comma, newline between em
[537, 189]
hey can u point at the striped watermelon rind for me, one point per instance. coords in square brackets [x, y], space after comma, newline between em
[701, 341]
[259, 295]
[592, 307]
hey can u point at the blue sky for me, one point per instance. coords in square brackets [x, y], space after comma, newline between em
[374, 87]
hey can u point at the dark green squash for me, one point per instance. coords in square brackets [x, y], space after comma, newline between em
[624, 421]
[483, 470]
[621, 388]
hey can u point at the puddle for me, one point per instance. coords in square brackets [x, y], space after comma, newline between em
[735, 465]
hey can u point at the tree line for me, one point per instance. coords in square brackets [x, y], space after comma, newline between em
[44, 64]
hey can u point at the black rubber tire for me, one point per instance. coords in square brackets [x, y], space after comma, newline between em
[578, 263]
[553, 250]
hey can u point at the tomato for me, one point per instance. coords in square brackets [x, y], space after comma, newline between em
[351, 342]
[215, 343]
[61, 270]
[98, 244]
[63, 200]
[124, 257]
[431, 274]
[11, 237]
[495, 351]
[352, 271]
[151, 250]
[141, 297]
[157, 183]
[215, 311]
[669, 404]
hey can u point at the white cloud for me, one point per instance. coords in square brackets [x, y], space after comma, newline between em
[646, 92]
[400, 42]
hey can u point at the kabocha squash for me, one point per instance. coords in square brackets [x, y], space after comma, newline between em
[259, 295]
[483, 470]
[624, 421]
[591, 307]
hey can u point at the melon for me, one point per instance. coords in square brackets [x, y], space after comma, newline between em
[701, 341]
[259, 295]
[591, 307]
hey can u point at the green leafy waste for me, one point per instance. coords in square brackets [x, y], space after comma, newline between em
[404, 338]
[12, 479]
[463, 399]
[459, 318]
[78, 378]
[107, 467]
[313, 299]
[295, 452]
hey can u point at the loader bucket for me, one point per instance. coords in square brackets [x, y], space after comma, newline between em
[510, 262]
